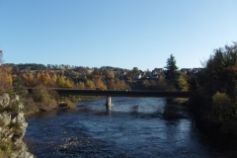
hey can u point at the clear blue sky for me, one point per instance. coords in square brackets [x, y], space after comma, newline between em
[121, 33]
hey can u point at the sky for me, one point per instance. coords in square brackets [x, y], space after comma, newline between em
[119, 33]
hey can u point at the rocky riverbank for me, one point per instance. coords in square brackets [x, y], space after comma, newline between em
[12, 128]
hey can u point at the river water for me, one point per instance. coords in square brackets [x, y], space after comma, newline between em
[135, 128]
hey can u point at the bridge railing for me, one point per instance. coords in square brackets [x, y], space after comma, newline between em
[128, 93]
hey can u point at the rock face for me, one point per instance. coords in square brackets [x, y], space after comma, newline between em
[12, 128]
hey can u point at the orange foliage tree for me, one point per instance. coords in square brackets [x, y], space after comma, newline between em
[5, 76]
[99, 83]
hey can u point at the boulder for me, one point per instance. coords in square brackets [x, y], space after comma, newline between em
[5, 119]
[4, 100]
[12, 128]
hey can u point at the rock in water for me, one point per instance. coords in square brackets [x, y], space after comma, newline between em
[12, 128]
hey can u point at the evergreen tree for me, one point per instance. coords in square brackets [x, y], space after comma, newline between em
[171, 72]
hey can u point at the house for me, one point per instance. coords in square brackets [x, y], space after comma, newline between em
[157, 73]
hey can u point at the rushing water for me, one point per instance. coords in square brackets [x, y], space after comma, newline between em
[134, 129]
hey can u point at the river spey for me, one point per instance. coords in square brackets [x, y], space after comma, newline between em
[134, 129]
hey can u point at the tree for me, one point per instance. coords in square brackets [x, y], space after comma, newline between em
[117, 85]
[81, 85]
[214, 96]
[183, 82]
[100, 84]
[61, 81]
[44, 78]
[1, 57]
[64, 82]
[89, 84]
[29, 79]
[171, 73]
[222, 108]
[135, 71]
[5, 76]
[220, 74]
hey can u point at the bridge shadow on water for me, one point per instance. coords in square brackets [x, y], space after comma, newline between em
[142, 107]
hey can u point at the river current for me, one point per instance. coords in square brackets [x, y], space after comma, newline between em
[135, 128]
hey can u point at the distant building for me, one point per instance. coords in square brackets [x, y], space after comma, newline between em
[190, 71]
[196, 70]
[137, 77]
[90, 71]
[157, 73]
[186, 71]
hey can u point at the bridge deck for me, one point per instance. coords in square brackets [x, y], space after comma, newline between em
[126, 93]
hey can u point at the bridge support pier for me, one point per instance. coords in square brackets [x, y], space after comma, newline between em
[108, 103]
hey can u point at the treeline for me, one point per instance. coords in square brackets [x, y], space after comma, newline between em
[30, 75]
[66, 79]
[17, 77]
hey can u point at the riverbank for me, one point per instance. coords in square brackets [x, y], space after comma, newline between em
[220, 132]
[67, 103]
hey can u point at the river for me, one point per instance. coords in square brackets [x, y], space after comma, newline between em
[135, 128]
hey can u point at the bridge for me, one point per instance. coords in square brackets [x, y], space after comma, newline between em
[116, 93]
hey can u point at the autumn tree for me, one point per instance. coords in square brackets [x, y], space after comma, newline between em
[5, 76]
[183, 82]
[81, 85]
[100, 84]
[89, 84]
[29, 79]
[44, 98]
[44, 78]
[117, 85]
[64, 83]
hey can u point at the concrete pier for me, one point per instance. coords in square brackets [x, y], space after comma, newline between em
[108, 103]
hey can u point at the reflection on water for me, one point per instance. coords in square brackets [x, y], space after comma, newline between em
[125, 105]
[134, 129]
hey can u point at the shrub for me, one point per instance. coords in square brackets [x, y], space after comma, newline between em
[5, 79]
[45, 99]
[6, 149]
[30, 105]
[222, 107]
[183, 82]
